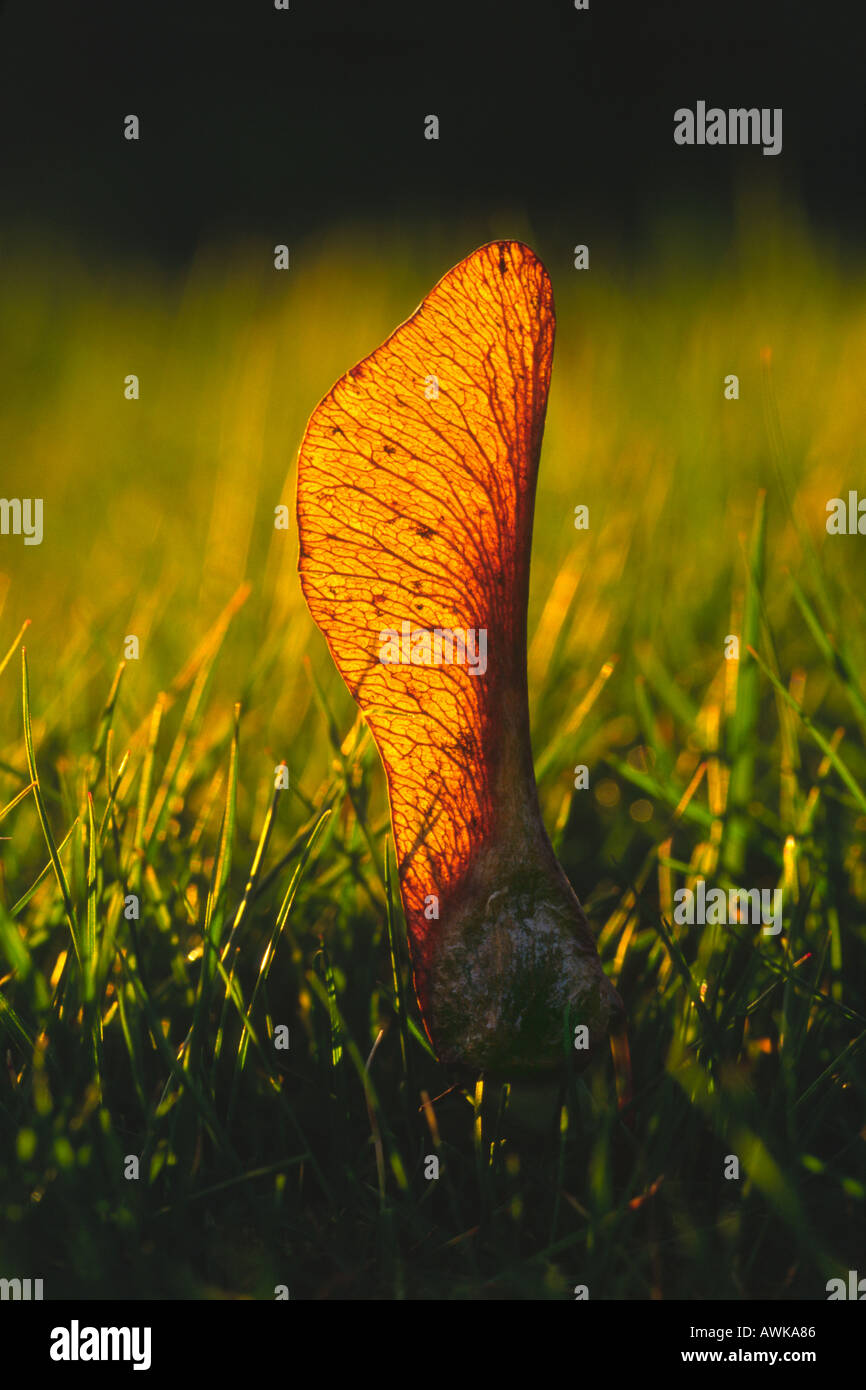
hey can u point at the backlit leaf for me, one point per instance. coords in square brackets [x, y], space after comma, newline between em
[416, 487]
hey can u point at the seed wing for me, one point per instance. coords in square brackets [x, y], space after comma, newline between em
[416, 485]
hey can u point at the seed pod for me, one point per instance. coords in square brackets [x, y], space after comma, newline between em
[416, 490]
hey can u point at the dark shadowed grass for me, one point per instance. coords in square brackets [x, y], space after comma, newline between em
[263, 908]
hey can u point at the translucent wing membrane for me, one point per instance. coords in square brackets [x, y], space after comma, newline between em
[416, 485]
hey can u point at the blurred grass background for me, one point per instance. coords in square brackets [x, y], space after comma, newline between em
[707, 518]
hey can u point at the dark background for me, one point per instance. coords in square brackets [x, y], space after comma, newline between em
[255, 120]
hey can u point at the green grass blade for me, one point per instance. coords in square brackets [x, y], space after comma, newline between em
[43, 815]
[823, 743]
[741, 743]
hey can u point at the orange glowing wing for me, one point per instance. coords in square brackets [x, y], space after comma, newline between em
[416, 486]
